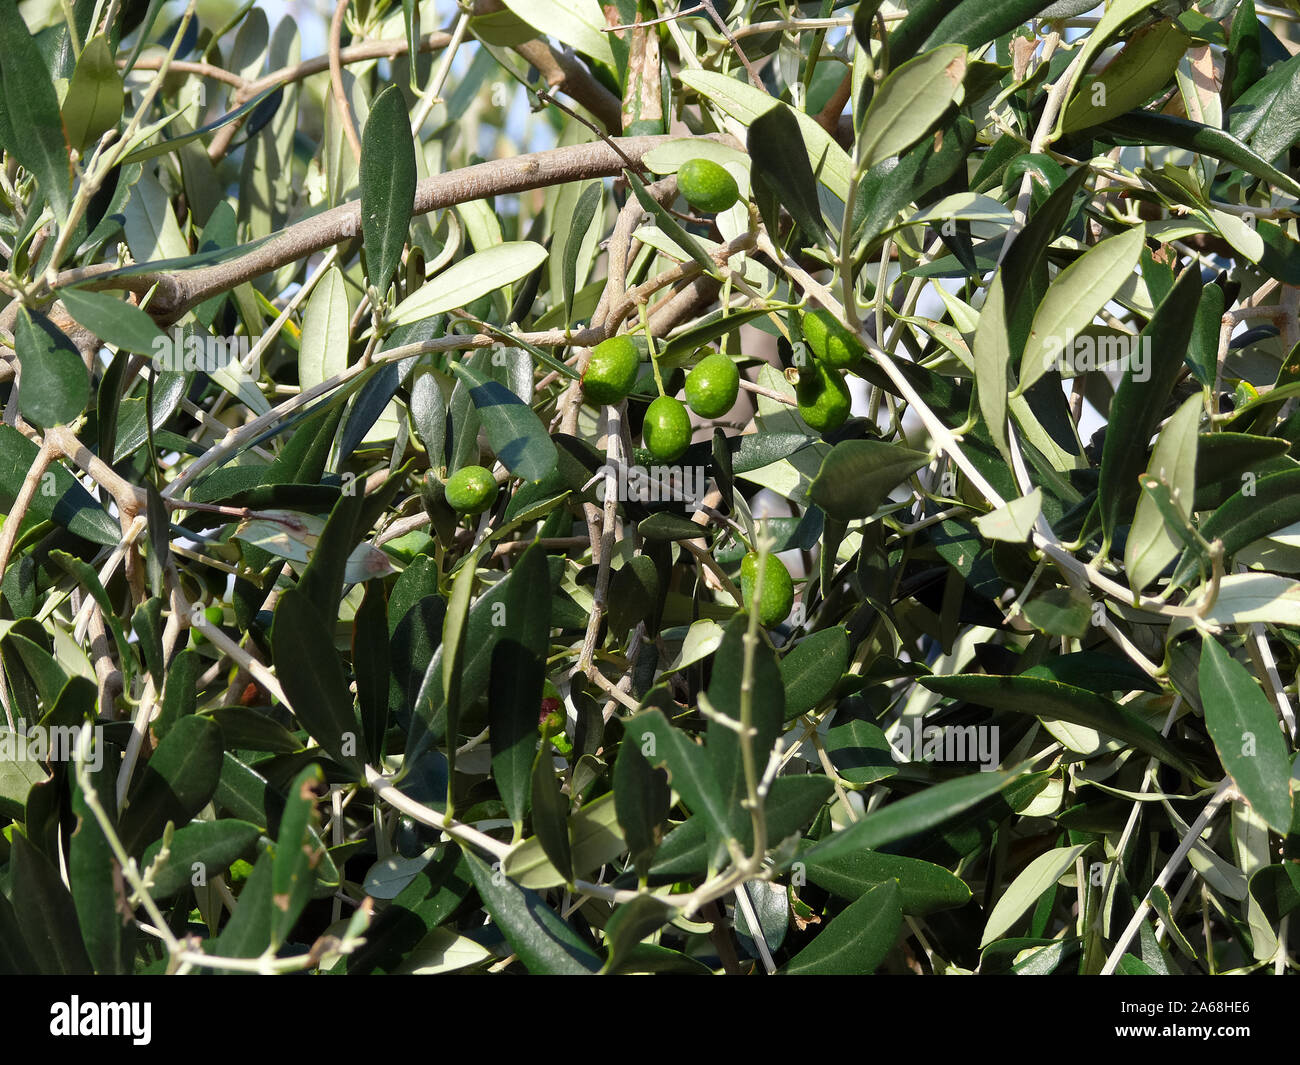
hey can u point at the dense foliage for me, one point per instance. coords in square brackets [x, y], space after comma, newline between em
[398, 576]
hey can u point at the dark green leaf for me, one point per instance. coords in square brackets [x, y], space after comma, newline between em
[98, 889]
[175, 784]
[1148, 127]
[114, 321]
[516, 434]
[551, 814]
[641, 799]
[372, 664]
[55, 384]
[248, 932]
[518, 674]
[857, 476]
[1256, 510]
[583, 213]
[1138, 406]
[781, 168]
[911, 816]
[923, 887]
[295, 854]
[630, 923]
[1244, 727]
[856, 940]
[46, 912]
[311, 674]
[201, 847]
[33, 112]
[690, 771]
[811, 669]
[860, 752]
[544, 943]
[387, 184]
[163, 147]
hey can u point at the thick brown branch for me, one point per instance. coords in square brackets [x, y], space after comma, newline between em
[178, 292]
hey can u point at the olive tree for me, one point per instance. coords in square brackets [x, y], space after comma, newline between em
[634, 487]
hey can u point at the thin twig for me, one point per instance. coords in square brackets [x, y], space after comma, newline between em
[336, 78]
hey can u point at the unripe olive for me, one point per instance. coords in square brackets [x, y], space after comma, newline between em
[777, 596]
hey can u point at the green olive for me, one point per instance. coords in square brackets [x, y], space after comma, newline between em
[214, 615]
[823, 397]
[471, 490]
[836, 346]
[611, 371]
[706, 185]
[712, 387]
[777, 596]
[667, 428]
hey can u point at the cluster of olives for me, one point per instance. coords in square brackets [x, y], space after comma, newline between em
[711, 390]
[822, 396]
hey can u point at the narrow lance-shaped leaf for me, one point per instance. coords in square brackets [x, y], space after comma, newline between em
[689, 770]
[1037, 877]
[782, 168]
[1077, 294]
[46, 911]
[811, 669]
[372, 664]
[454, 631]
[913, 815]
[641, 799]
[469, 279]
[150, 151]
[295, 853]
[323, 348]
[175, 784]
[55, 384]
[1063, 702]
[1139, 401]
[94, 101]
[551, 814]
[857, 476]
[583, 213]
[543, 942]
[213, 845]
[518, 676]
[1151, 545]
[311, 674]
[387, 184]
[517, 435]
[33, 112]
[857, 939]
[95, 879]
[1005, 316]
[1244, 727]
[114, 321]
[910, 100]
